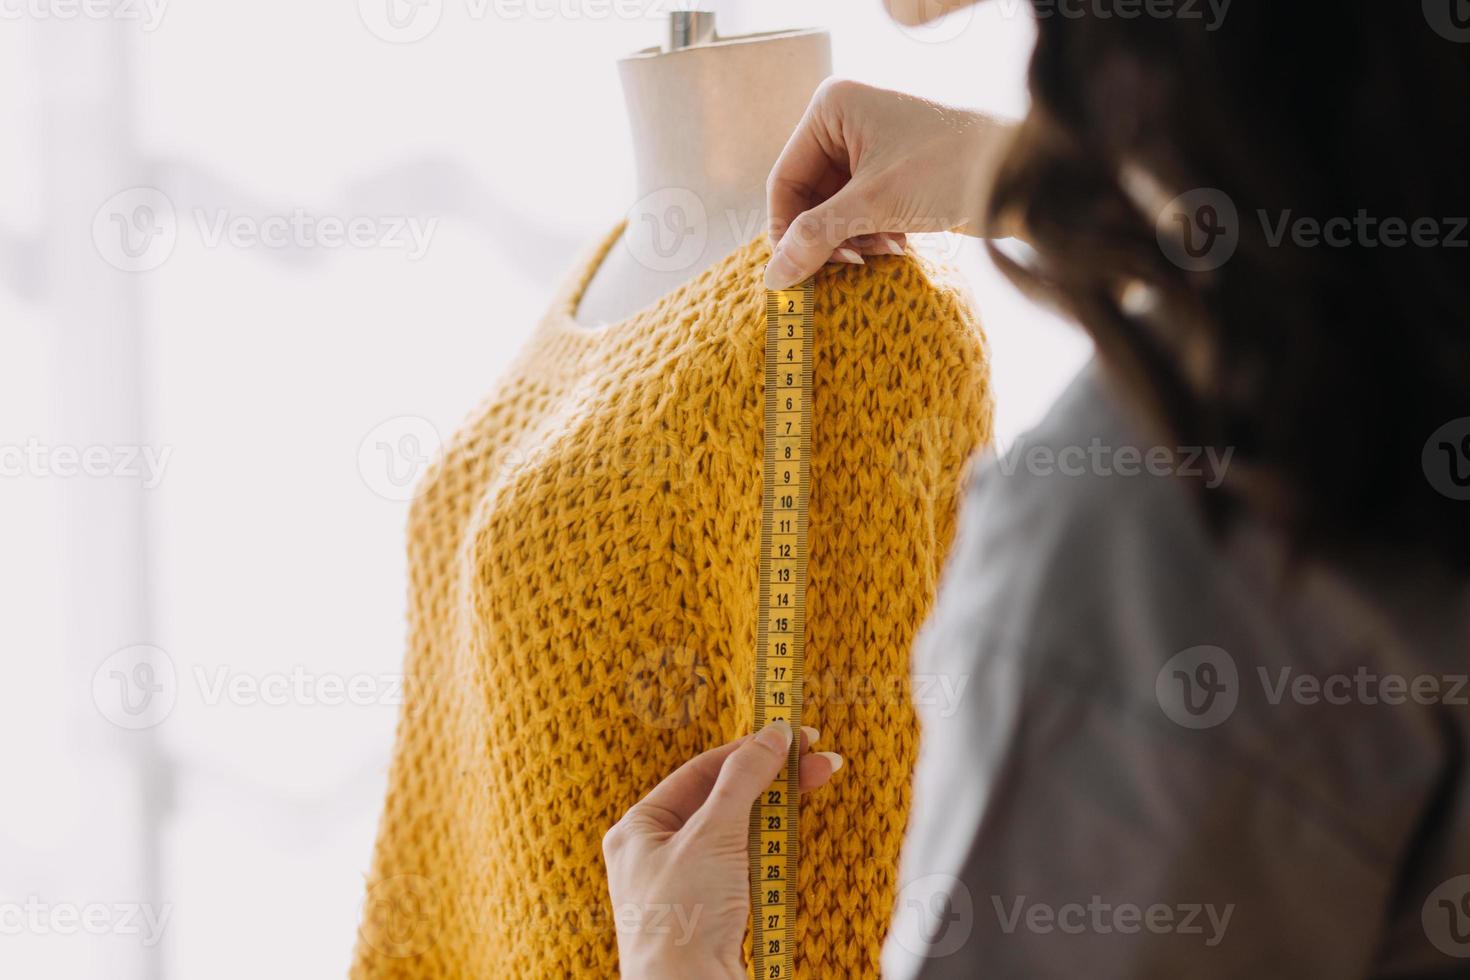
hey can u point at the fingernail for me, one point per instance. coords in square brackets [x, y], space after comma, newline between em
[780, 271]
[892, 246]
[831, 757]
[776, 736]
[811, 734]
[849, 255]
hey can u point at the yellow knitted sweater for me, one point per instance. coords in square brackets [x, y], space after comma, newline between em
[583, 571]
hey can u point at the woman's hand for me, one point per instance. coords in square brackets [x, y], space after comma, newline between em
[867, 165]
[678, 861]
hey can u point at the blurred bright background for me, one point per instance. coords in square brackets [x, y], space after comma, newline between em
[208, 437]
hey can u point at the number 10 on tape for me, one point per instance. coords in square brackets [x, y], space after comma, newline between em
[781, 625]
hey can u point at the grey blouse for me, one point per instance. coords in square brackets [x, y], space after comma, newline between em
[1150, 753]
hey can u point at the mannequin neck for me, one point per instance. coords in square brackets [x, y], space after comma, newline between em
[707, 124]
[712, 119]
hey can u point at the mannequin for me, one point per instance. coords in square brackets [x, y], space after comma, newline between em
[707, 122]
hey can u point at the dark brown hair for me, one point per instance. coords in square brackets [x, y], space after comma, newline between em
[1325, 367]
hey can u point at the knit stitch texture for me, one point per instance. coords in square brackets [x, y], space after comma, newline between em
[583, 583]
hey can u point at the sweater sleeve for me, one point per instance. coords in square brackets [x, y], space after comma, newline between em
[900, 402]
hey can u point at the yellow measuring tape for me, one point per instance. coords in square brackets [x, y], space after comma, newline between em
[781, 627]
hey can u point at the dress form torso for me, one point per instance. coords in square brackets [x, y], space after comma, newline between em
[707, 123]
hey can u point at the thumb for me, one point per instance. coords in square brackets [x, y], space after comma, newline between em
[746, 774]
[815, 234]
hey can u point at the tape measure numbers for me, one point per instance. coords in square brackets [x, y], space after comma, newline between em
[781, 626]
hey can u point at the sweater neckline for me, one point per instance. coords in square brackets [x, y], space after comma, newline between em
[562, 316]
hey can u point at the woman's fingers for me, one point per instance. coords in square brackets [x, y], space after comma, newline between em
[816, 233]
[812, 166]
[671, 803]
[865, 164]
[886, 243]
[746, 773]
[756, 763]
